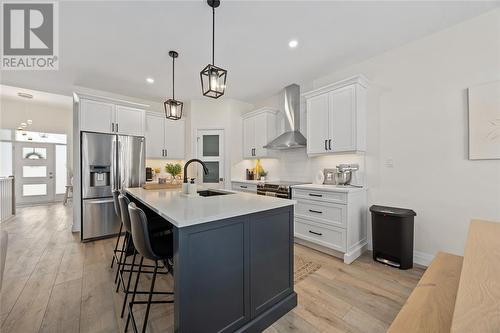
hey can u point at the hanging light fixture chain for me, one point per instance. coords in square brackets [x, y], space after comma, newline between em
[213, 36]
[173, 78]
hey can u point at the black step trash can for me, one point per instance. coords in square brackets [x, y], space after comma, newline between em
[392, 235]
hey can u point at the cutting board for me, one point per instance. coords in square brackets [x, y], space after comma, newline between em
[156, 186]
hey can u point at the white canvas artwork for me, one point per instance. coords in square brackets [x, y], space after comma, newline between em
[484, 121]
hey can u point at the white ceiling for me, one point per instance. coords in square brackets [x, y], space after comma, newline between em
[115, 45]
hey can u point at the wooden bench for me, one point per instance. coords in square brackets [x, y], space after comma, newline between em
[431, 304]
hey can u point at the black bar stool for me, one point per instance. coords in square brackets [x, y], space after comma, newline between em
[152, 246]
[155, 229]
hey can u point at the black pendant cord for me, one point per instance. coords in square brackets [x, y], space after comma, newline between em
[173, 78]
[213, 36]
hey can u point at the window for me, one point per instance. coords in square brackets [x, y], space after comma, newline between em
[61, 169]
[34, 171]
[34, 153]
[213, 172]
[34, 189]
[6, 159]
[210, 145]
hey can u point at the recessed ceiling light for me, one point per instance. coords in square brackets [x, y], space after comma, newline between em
[150, 80]
[293, 43]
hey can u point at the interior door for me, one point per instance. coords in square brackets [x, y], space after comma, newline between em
[342, 119]
[211, 151]
[317, 124]
[248, 137]
[155, 136]
[35, 172]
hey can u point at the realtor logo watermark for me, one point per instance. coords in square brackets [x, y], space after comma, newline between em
[30, 36]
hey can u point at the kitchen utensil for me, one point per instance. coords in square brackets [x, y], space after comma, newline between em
[320, 177]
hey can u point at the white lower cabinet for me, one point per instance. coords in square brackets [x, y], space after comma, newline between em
[244, 187]
[328, 218]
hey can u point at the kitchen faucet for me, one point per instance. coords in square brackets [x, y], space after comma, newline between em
[205, 169]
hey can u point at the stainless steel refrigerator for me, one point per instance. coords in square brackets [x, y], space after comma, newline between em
[108, 162]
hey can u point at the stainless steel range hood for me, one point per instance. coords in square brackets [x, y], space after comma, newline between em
[292, 138]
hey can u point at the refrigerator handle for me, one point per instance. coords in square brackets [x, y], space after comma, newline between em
[118, 171]
[113, 165]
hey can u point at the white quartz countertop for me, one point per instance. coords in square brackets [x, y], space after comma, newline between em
[184, 211]
[253, 181]
[333, 188]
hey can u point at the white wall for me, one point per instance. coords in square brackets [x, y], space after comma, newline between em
[418, 119]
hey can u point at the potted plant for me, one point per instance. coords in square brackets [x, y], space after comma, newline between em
[263, 174]
[173, 169]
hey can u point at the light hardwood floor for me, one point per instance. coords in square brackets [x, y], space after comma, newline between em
[54, 283]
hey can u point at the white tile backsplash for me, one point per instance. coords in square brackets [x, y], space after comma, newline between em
[295, 165]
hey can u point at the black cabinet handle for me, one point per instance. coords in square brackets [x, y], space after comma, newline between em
[163, 152]
[166, 153]
[315, 195]
[316, 233]
[112, 127]
[243, 186]
[116, 127]
[330, 144]
[315, 211]
[326, 148]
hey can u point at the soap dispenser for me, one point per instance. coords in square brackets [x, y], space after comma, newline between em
[192, 186]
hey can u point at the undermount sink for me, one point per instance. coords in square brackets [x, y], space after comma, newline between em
[212, 193]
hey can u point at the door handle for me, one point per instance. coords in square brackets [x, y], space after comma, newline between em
[113, 127]
[163, 152]
[326, 147]
[315, 211]
[242, 186]
[315, 233]
[315, 195]
[116, 127]
[166, 152]
[330, 144]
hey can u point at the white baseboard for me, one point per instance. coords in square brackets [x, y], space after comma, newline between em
[419, 258]
[422, 258]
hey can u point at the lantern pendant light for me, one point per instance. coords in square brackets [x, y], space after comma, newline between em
[173, 108]
[213, 78]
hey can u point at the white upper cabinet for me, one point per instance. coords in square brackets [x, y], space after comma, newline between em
[96, 116]
[174, 139]
[155, 136]
[336, 117]
[107, 117]
[259, 127]
[317, 124]
[164, 137]
[129, 121]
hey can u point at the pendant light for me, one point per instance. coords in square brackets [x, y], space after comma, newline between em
[213, 78]
[173, 108]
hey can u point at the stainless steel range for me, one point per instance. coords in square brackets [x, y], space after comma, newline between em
[281, 189]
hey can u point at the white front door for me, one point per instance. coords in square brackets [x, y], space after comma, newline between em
[210, 149]
[34, 172]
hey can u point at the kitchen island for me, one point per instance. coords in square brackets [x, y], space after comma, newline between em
[233, 258]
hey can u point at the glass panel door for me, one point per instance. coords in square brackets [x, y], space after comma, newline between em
[34, 171]
[211, 151]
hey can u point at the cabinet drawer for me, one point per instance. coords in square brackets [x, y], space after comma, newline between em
[331, 237]
[338, 197]
[330, 213]
[244, 187]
